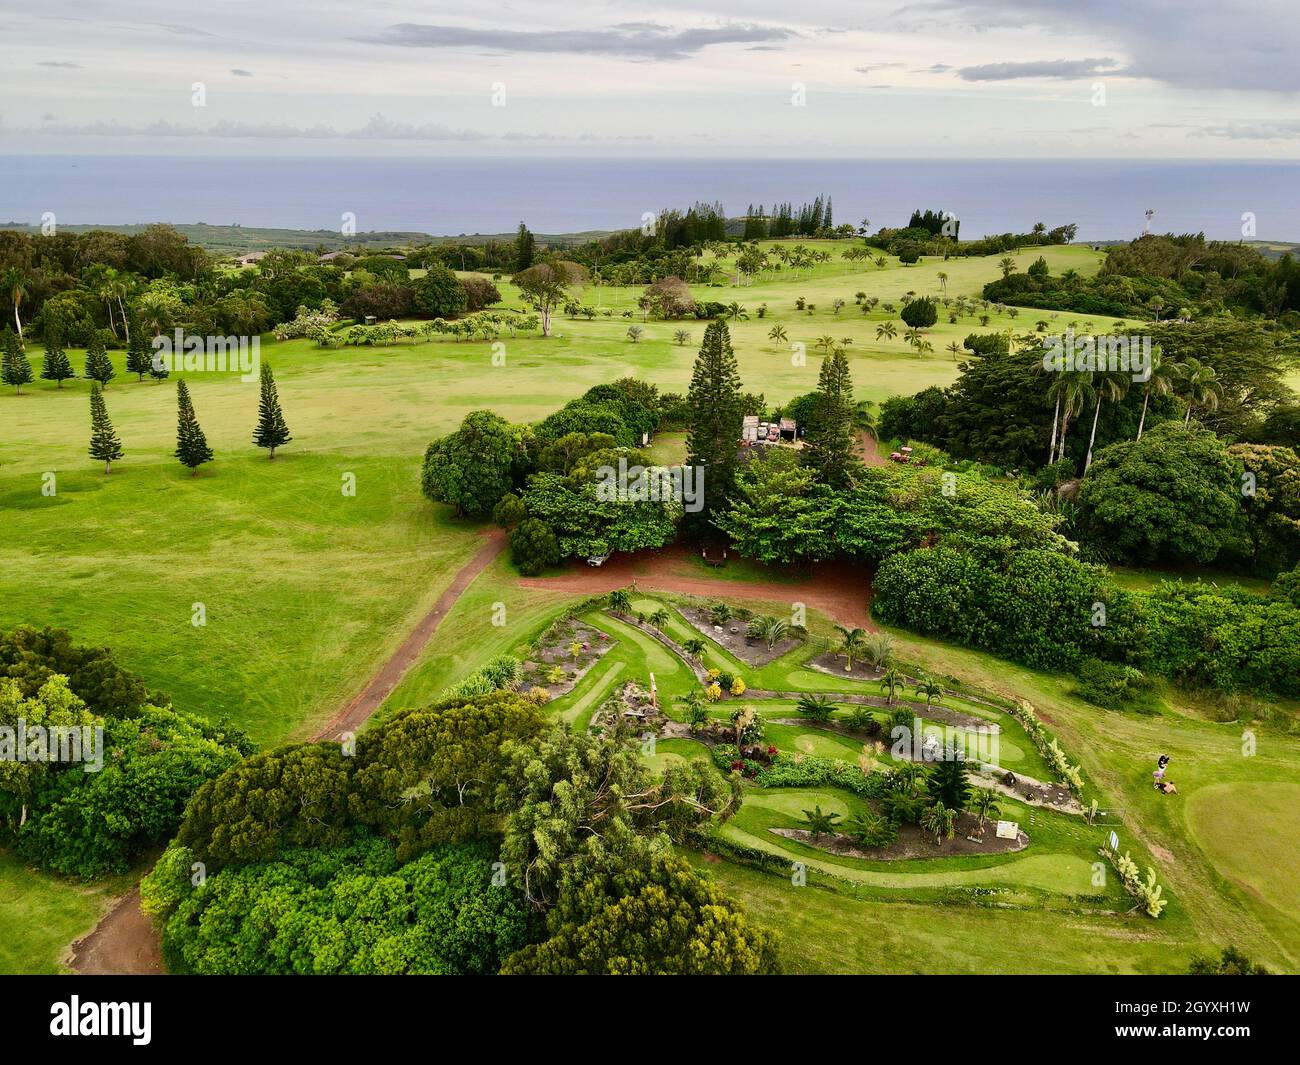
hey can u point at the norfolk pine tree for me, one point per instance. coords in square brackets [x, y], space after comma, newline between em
[15, 369]
[191, 445]
[830, 446]
[138, 359]
[713, 431]
[99, 367]
[104, 444]
[57, 366]
[271, 430]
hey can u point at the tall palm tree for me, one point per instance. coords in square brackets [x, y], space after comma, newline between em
[1078, 391]
[956, 350]
[1200, 387]
[891, 681]
[886, 330]
[1109, 386]
[736, 312]
[778, 333]
[16, 287]
[943, 281]
[1164, 378]
[1007, 265]
[851, 641]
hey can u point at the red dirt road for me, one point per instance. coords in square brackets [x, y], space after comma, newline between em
[124, 943]
[841, 592]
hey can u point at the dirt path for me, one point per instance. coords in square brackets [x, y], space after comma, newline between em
[372, 696]
[124, 943]
[840, 591]
[871, 450]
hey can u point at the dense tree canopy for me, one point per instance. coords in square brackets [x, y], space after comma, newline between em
[1173, 496]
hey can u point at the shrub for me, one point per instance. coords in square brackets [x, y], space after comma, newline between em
[533, 547]
[920, 313]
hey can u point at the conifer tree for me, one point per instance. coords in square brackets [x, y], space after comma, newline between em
[57, 366]
[829, 444]
[15, 369]
[99, 367]
[271, 429]
[191, 445]
[158, 370]
[104, 444]
[713, 431]
[138, 359]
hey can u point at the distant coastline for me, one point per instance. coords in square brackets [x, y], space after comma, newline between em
[572, 198]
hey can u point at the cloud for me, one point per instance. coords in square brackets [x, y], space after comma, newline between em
[61, 64]
[629, 40]
[241, 73]
[1252, 131]
[1040, 68]
[1196, 44]
[378, 128]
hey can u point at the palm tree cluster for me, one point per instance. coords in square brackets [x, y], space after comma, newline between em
[1073, 390]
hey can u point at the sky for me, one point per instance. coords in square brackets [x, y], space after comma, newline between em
[1061, 79]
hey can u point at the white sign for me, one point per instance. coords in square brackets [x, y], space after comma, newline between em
[1114, 842]
[1008, 829]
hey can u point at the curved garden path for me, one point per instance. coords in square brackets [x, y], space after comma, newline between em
[839, 590]
[125, 943]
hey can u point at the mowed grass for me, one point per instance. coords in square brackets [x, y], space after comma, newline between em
[301, 589]
[1250, 831]
[823, 930]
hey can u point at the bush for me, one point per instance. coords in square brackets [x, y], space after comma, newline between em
[479, 293]
[1114, 686]
[533, 547]
[920, 313]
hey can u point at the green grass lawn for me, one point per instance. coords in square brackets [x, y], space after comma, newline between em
[826, 929]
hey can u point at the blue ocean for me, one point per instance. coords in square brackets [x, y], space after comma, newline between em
[1107, 200]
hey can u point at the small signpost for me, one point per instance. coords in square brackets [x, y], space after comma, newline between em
[1008, 829]
[1114, 842]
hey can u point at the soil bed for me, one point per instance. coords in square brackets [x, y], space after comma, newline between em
[554, 649]
[914, 842]
[731, 636]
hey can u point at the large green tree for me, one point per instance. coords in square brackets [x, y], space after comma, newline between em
[716, 413]
[830, 448]
[439, 293]
[1173, 496]
[779, 513]
[473, 467]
